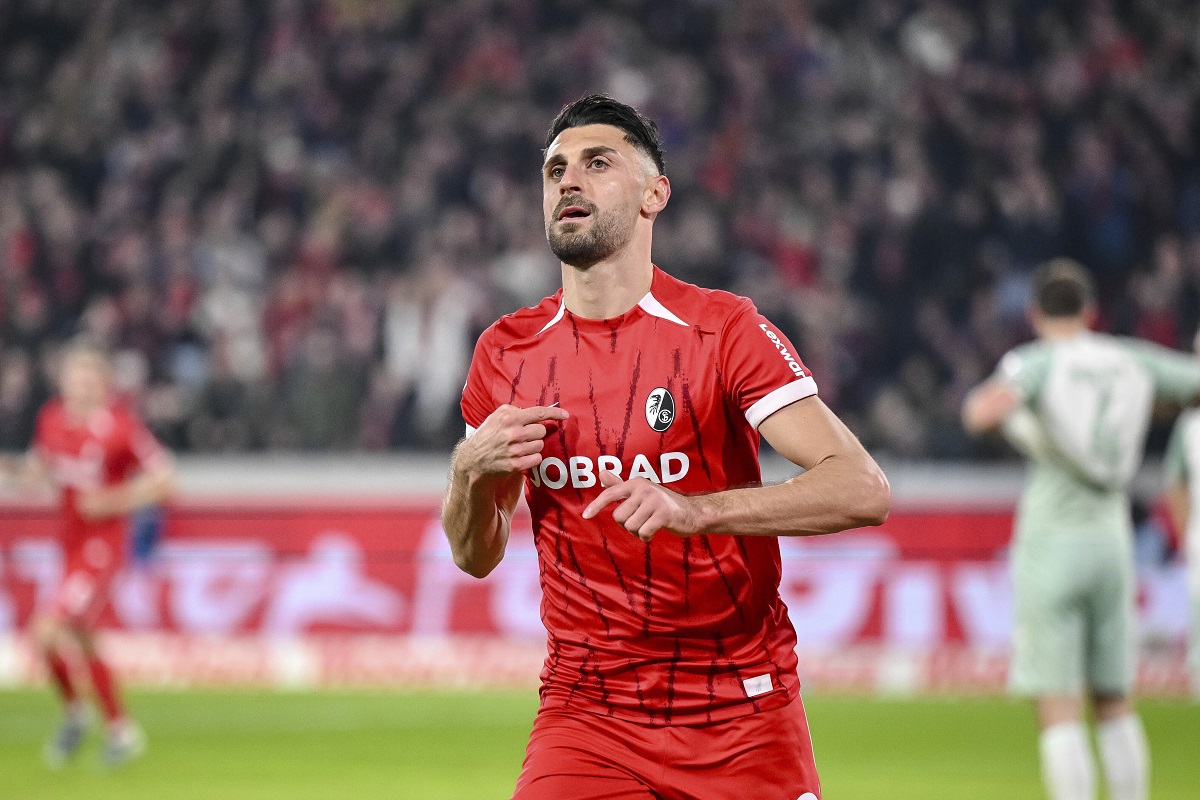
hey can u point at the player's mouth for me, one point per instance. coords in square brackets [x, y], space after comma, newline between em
[573, 214]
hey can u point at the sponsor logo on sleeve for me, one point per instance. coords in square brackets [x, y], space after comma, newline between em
[792, 363]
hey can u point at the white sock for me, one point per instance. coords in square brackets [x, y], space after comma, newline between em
[1125, 754]
[1067, 767]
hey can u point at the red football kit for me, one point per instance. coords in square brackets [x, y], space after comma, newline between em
[102, 451]
[680, 631]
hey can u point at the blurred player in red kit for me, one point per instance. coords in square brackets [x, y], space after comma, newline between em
[628, 407]
[106, 466]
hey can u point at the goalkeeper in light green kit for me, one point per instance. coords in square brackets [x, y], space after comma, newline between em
[1077, 404]
[1183, 498]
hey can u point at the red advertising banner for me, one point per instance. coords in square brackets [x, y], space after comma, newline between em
[932, 583]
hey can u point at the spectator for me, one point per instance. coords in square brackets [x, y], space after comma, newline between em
[296, 213]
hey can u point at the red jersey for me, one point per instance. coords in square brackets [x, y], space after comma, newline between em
[679, 630]
[102, 451]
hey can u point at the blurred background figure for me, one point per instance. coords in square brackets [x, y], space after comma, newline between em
[1078, 404]
[1182, 467]
[106, 466]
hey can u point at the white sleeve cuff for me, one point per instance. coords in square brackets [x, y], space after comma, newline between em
[470, 430]
[783, 396]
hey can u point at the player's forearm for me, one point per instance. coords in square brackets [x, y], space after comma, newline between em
[1180, 506]
[839, 493]
[476, 525]
[24, 474]
[147, 489]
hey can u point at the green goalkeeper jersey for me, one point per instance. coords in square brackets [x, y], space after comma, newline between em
[1090, 397]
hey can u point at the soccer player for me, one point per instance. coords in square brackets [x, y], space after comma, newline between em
[1078, 404]
[107, 465]
[628, 406]
[1183, 484]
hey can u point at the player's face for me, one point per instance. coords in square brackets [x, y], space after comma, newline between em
[593, 182]
[84, 381]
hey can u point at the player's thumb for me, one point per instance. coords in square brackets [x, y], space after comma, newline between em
[608, 478]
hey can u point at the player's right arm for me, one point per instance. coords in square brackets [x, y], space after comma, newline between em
[1175, 465]
[486, 477]
[30, 473]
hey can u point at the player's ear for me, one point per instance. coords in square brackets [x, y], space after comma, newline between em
[658, 191]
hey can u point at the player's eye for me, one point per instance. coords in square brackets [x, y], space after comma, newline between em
[556, 173]
[598, 163]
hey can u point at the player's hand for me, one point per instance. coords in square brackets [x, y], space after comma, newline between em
[509, 441]
[645, 507]
[987, 406]
[98, 504]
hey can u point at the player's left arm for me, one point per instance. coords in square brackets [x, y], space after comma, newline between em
[841, 487]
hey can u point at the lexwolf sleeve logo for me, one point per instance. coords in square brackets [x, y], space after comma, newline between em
[793, 365]
[660, 409]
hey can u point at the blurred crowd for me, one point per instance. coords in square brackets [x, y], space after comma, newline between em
[291, 219]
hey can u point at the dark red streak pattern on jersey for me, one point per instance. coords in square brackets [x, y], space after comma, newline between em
[677, 630]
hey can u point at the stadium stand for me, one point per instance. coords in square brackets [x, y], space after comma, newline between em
[291, 219]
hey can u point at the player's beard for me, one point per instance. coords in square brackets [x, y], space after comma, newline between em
[583, 248]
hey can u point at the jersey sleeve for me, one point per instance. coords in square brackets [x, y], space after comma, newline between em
[1175, 459]
[1025, 370]
[1176, 375]
[478, 399]
[142, 449]
[761, 369]
[40, 446]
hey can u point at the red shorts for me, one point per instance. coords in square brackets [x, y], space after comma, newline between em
[87, 582]
[585, 756]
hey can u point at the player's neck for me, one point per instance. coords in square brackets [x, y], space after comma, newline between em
[607, 288]
[80, 413]
[1066, 328]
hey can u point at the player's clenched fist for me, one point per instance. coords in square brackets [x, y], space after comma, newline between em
[510, 440]
[645, 507]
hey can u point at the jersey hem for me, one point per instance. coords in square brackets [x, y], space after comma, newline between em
[771, 701]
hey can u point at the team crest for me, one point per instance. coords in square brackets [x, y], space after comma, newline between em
[660, 409]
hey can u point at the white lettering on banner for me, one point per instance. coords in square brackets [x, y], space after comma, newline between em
[1162, 606]
[828, 585]
[438, 577]
[982, 597]
[39, 561]
[793, 365]
[851, 589]
[8, 615]
[216, 585]
[914, 610]
[135, 599]
[331, 587]
[583, 473]
[515, 597]
[517, 601]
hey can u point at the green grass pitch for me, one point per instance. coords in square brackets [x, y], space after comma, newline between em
[468, 746]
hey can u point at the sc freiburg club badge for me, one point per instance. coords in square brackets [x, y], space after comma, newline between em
[660, 410]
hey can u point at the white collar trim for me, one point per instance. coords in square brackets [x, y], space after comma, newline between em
[651, 306]
[562, 309]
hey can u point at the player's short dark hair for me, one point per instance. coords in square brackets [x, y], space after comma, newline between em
[1062, 288]
[600, 109]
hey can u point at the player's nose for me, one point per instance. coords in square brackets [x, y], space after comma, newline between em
[572, 181]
